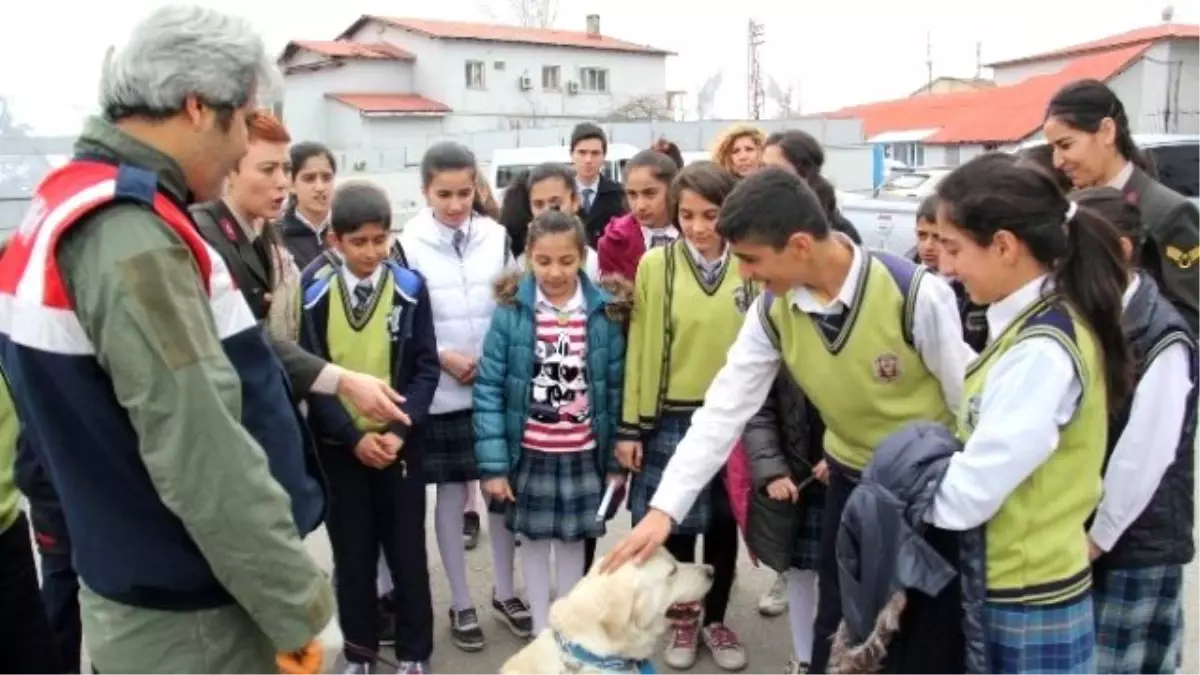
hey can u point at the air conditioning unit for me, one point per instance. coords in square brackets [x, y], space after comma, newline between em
[572, 87]
[525, 82]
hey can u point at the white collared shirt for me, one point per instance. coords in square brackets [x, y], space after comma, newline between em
[1122, 178]
[707, 266]
[1146, 448]
[648, 234]
[310, 225]
[352, 280]
[1029, 394]
[573, 303]
[741, 386]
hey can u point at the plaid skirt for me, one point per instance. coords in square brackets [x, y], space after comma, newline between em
[806, 551]
[449, 444]
[1041, 639]
[558, 494]
[1139, 620]
[656, 452]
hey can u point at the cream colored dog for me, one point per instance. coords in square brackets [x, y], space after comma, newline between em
[611, 623]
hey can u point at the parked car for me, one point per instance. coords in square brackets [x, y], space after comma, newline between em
[915, 183]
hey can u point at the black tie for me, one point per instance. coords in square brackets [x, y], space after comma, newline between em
[831, 324]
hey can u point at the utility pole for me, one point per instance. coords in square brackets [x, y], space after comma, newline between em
[755, 94]
[929, 60]
[978, 59]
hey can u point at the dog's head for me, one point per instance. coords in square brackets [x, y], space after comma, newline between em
[623, 613]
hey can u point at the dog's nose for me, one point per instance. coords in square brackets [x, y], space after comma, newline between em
[708, 570]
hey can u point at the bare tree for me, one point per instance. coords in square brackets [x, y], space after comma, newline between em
[534, 13]
[640, 108]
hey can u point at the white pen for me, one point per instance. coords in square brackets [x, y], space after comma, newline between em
[608, 497]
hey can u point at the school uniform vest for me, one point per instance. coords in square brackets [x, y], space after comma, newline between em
[1036, 546]
[870, 380]
[129, 547]
[1162, 534]
[361, 345]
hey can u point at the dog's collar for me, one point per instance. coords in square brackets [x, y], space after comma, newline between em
[577, 657]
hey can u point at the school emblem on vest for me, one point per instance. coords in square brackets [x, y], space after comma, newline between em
[887, 367]
[393, 323]
[972, 412]
[742, 299]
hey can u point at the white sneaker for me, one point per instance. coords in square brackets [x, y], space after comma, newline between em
[726, 648]
[795, 667]
[353, 668]
[684, 637]
[774, 601]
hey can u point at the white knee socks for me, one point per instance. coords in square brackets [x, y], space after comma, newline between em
[802, 611]
[448, 526]
[535, 565]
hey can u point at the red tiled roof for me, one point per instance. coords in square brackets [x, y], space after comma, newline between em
[994, 115]
[390, 103]
[484, 32]
[1127, 39]
[345, 49]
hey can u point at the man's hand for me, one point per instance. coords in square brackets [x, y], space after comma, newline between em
[372, 452]
[460, 366]
[629, 455]
[821, 472]
[372, 397]
[306, 661]
[783, 490]
[499, 490]
[641, 543]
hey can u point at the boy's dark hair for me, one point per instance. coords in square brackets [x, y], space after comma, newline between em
[927, 211]
[516, 211]
[769, 206]
[711, 181]
[446, 156]
[557, 222]
[1082, 250]
[358, 203]
[585, 131]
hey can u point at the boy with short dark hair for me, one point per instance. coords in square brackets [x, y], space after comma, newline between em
[369, 314]
[974, 317]
[600, 198]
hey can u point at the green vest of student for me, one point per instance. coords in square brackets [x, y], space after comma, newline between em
[363, 346]
[1036, 542]
[870, 380]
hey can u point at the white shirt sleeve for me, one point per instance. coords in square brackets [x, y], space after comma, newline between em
[592, 265]
[1030, 393]
[1146, 447]
[938, 337]
[735, 395]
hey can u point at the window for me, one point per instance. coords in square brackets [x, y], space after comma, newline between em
[498, 65]
[910, 153]
[593, 79]
[551, 78]
[475, 75]
[1178, 167]
[953, 155]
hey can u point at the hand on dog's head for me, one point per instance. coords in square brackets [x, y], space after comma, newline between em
[623, 612]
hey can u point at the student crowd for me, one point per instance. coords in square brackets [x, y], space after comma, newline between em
[1000, 427]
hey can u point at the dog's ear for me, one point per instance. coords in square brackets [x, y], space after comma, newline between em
[617, 606]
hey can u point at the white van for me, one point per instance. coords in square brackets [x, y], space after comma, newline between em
[509, 162]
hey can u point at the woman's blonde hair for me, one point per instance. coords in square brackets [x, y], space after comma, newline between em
[723, 148]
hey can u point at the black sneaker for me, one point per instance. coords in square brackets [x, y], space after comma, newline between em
[387, 626]
[465, 632]
[515, 614]
[470, 530]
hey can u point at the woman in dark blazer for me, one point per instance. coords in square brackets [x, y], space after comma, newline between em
[1088, 131]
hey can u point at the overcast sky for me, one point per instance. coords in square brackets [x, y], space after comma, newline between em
[836, 52]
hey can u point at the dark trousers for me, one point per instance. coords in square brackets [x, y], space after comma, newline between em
[720, 551]
[27, 643]
[373, 509]
[829, 599]
[60, 584]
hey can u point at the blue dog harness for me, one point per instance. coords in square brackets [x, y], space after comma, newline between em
[576, 657]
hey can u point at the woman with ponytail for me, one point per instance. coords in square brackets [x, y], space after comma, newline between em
[1088, 130]
[1036, 401]
[797, 151]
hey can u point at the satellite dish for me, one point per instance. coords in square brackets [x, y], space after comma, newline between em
[707, 94]
[1168, 13]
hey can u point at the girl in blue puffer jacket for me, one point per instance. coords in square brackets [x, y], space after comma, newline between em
[547, 400]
